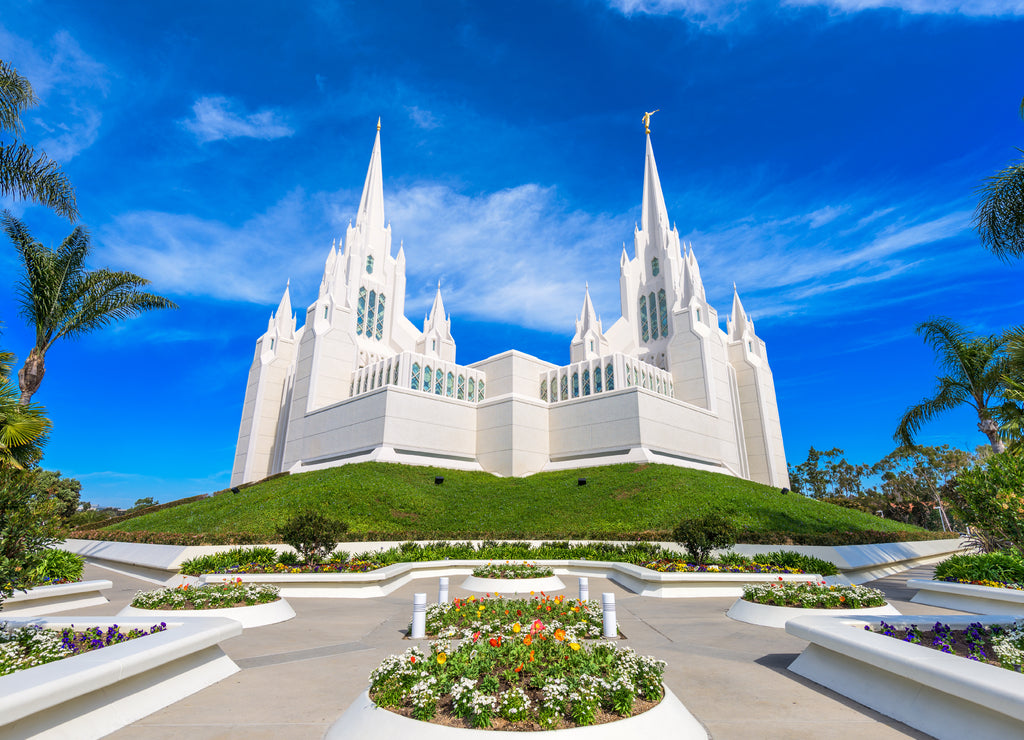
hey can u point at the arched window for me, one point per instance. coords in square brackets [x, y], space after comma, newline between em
[369, 264]
[380, 316]
[427, 377]
[663, 312]
[371, 304]
[394, 373]
[460, 391]
[544, 390]
[645, 333]
[563, 384]
[449, 386]
[360, 310]
[439, 382]
[327, 310]
[472, 389]
[415, 383]
[655, 269]
[575, 385]
[609, 377]
[480, 391]
[597, 379]
[654, 318]
[586, 382]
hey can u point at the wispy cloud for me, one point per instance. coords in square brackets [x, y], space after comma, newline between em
[217, 117]
[921, 7]
[716, 15]
[423, 118]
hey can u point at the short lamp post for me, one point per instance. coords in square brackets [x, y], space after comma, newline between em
[584, 589]
[419, 616]
[442, 590]
[608, 608]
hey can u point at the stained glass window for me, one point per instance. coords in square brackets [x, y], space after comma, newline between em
[654, 318]
[426, 378]
[415, 383]
[371, 304]
[609, 377]
[655, 269]
[369, 264]
[645, 333]
[586, 382]
[449, 386]
[597, 379]
[394, 374]
[472, 390]
[439, 382]
[544, 390]
[480, 391]
[663, 311]
[460, 392]
[360, 310]
[563, 384]
[380, 316]
[575, 385]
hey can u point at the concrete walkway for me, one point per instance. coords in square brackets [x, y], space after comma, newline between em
[297, 677]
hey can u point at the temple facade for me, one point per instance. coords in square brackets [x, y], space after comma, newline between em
[359, 381]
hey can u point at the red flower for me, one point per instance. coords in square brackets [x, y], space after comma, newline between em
[494, 642]
[476, 635]
[412, 659]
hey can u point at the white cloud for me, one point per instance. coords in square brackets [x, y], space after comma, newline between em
[217, 117]
[709, 13]
[423, 118]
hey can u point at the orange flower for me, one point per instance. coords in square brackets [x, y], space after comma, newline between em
[560, 634]
[531, 656]
[495, 641]
[519, 668]
[527, 640]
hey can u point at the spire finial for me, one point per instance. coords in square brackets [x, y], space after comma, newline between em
[378, 123]
[647, 120]
[733, 286]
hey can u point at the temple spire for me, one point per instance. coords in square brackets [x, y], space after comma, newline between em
[588, 316]
[738, 322]
[283, 317]
[654, 214]
[371, 204]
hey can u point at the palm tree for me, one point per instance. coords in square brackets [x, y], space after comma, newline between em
[1011, 413]
[999, 217]
[24, 172]
[22, 428]
[974, 368]
[63, 299]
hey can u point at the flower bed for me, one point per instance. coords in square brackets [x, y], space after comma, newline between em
[968, 597]
[519, 683]
[251, 604]
[682, 566]
[774, 604]
[999, 645]
[29, 646]
[508, 571]
[944, 695]
[499, 618]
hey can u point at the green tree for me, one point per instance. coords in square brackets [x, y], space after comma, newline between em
[61, 298]
[912, 482]
[29, 524]
[973, 375]
[999, 217]
[66, 491]
[144, 503]
[827, 474]
[23, 428]
[26, 173]
[990, 498]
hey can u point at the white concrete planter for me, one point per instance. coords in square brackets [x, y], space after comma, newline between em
[513, 585]
[94, 694]
[385, 580]
[364, 719]
[767, 615]
[256, 615]
[966, 597]
[55, 599]
[946, 696]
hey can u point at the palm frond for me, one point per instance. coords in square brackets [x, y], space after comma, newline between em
[31, 175]
[949, 395]
[999, 217]
[16, 95]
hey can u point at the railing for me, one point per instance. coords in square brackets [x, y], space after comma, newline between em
[601, 375]
[421, 373]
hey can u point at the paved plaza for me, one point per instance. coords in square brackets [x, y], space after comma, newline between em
[298, 677]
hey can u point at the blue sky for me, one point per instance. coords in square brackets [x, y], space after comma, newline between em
[821, 155]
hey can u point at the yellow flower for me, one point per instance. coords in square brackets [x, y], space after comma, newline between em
[442, 658]
[516, 627]
[574, 645]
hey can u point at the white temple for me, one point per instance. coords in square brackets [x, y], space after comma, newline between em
[360, 382]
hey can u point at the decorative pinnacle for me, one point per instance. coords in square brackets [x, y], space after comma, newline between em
[378, 123]
[647, 120]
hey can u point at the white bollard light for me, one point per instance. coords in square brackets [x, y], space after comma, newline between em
[608, 607]
[584, 589]
[442, 590]
[419, 615]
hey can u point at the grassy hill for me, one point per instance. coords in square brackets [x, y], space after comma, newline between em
[381, 500]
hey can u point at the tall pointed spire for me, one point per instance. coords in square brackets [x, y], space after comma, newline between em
[738, 322]
[371, 204]
[654, 214]
[588, 316]
[437, 310]
[283, 317]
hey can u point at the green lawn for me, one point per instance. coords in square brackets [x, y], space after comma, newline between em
[618, 501]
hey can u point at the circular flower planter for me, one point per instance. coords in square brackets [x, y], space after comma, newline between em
[256, 615]
[512, 585]
[670, 718]
[767, 615]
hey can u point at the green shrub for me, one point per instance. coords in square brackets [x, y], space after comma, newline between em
[1002, 567]
[990, 497]
[700, 535]
[220, 561]
[59, 565]
[313, 535]
[289, 558]
[790, 559]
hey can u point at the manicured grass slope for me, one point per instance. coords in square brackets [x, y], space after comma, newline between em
[384, 498]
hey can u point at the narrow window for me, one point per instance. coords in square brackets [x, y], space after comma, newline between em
[563, 384]
[271, 344]
[654, 317]
[426, 378]
[351, 388]
[663, 310]
[369, 264]
[461, 389]
[326, 309]
[586, 382]
[645, 333]
[698, 315]
[597, 379]
[449, 386]
[415, 382]
[609, 377]
[380, 376]
[575, 385]
[655, 269]
[750, 347]
[591, 345]
[433, 345]
[371, 304]
[480, 391]
[380, 316]
[544, 390]
[472, 389]
[360, 311]
[439, 382]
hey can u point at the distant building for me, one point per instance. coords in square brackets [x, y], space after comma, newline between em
[358, 381]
